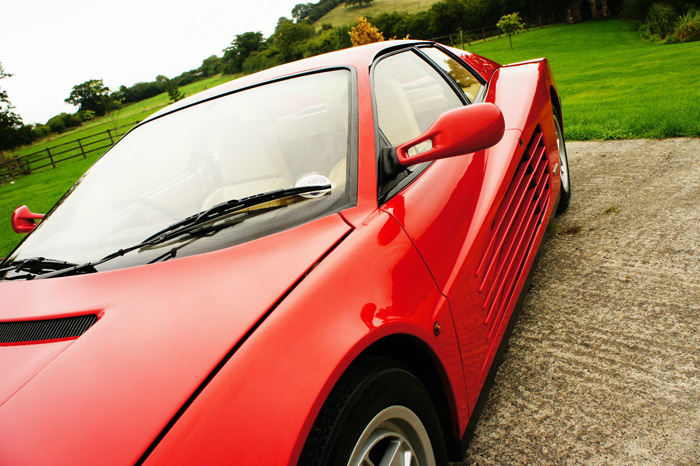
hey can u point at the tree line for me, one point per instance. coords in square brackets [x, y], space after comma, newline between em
[294, 39]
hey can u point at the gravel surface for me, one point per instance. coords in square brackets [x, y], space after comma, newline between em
[603, 367]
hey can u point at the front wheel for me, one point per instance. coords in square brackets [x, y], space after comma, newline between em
[378, 413]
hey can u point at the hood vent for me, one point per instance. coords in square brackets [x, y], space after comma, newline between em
[42, 330]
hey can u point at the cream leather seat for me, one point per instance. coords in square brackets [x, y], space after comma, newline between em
[253, 164]
[396, 118]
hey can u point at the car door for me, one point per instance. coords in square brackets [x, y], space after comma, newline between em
[448, 207]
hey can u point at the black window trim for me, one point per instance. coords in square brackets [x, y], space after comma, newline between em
[482, 91]
[380, 140]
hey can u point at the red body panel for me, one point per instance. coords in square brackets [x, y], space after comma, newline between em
[310, 334]
[162, 329]
[228, 356]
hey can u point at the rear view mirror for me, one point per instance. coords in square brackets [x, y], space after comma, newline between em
[23, 219]
[458, 131]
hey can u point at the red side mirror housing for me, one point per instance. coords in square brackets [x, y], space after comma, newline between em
[23, 219]
[458, 131]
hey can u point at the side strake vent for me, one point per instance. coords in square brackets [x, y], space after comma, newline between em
[513, 232]
[40, 330]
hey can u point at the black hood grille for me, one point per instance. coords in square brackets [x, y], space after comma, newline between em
[41, 330]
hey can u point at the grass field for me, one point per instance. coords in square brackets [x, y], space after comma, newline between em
[342, 16]
[613, 85]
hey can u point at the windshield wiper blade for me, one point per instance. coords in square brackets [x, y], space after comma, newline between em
[35, 266]
[187, 225]
[232, 206]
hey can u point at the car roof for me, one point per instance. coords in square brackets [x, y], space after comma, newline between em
[356, 57]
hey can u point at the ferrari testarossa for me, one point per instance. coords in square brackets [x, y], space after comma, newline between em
[315, 264]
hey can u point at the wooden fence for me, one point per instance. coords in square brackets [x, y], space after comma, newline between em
[52, 156]
[485, 33]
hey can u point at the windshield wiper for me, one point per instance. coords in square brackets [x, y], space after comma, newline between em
[189, 225]
[232, 206]
[35, 266]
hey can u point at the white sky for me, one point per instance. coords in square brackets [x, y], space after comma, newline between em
[50, 46]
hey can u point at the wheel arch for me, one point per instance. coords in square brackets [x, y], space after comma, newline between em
[556, 103]
[417, 355]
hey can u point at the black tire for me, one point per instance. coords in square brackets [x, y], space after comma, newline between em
[375, 398]
[565, 196]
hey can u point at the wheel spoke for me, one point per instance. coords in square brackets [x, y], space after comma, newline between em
[392, 456]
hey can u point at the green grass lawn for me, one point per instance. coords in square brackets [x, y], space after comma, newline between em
[613, 85]
[342, 16]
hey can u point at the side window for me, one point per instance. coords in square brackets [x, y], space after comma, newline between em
[409, 95]
[462, 76]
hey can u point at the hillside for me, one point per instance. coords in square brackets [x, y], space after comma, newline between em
[342, 16]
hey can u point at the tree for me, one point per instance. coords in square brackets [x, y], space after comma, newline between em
[289, 36]
[301, 11]
[357, 2]
[9, 120]
[448, 17]
[211, 66]
[364, 33]
[241, 47]
[92, 95]
[170, 88]
[510, 24]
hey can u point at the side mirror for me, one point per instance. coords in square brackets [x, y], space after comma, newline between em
[458, 131]
[23, 219]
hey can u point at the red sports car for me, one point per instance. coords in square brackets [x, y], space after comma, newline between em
[315, 264]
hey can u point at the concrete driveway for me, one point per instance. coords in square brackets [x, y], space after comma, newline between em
[603, 367]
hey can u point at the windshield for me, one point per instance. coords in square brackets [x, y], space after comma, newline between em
[285, 134]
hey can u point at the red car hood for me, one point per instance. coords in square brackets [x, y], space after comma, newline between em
[103, 397]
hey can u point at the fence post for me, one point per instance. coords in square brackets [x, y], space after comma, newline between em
[50, 157]
[82, 151]
[461, 38]
[540, 17]
[9, 168]
[109, 133]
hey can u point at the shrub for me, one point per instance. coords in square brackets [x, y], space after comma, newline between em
[24, 135]
[57, 124]
[41, 131]
[86, 115]
[688, 27]
[364, 33]
[72, 120]
[660, 20]
[257, 61]
[211, 66]
[635, 10]
[327, 40]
